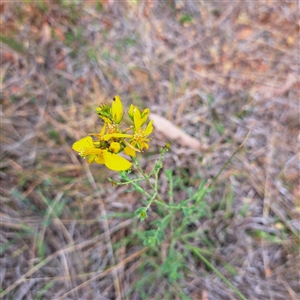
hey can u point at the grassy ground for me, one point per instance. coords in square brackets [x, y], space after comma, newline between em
[214, 69]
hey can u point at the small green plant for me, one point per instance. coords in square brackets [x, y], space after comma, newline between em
[186, 19]
[170, 219]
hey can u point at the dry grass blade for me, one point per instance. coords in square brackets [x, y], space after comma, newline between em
[106, 272]
[67, 249]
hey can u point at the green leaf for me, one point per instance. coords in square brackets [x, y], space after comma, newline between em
[186, 19]
[220, 128]
[149, 233]
[40, 293]
[151, 241]
[13, 44]
[159, 235]
[186, 211]
[165, 221]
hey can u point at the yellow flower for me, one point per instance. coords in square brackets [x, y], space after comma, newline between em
[117, 109]
[89, 149]
[112, 139]
[140, 136]
[111, 115]
[139, 139]
[86, 149]
[134, 112]
[113, 133]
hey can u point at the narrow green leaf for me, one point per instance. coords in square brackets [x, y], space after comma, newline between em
[13, 44]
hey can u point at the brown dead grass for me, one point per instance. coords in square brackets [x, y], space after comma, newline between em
[212, 69]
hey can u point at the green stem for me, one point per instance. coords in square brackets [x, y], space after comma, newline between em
[155, 188]
[136, 163]
[150, 202]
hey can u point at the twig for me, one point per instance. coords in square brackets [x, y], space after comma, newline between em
[231, 157]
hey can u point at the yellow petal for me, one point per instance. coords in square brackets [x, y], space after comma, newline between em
[144, 145]
[108, 136]
[137, 119]
[103, 130]
[106, 120]
[100, 159]
[145, 114]
[91, 158]
[129, 151]
[86, 147]
[115, 162]
[131, 111]
[86, 142]
[149, 128]
[117, 109]
[115, 147]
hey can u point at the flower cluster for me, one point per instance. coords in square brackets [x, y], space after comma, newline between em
[112, 139]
